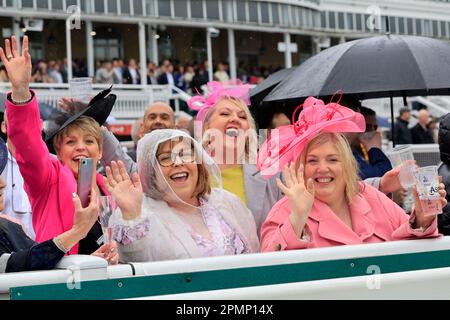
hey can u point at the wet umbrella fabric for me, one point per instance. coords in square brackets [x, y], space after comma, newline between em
[257, 94]
[376, 67]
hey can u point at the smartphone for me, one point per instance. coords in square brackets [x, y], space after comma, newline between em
[84, 183]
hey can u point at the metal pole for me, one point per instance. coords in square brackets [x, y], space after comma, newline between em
[392, 121]
[232, 54]
[90, 49]
[209, 55]
[17, 32]
[69, 50]
[142, 55]
[287, 53]
[153, 45]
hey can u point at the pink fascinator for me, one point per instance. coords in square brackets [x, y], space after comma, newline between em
[287, 143]
[217, 90]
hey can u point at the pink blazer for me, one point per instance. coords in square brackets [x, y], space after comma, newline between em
[375, 218]
[48, 183]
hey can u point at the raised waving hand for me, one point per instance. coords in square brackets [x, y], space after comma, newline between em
[301, 196]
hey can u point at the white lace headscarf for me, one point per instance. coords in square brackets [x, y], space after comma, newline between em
[154, 184]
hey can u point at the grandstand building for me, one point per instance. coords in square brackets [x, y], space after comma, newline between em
[277, 33]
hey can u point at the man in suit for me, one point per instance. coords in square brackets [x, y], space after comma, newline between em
[131, 73]
[420, 133]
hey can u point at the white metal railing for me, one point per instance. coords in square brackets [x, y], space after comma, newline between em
[132, 100]
[87, 268]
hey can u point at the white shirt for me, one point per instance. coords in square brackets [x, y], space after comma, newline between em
[134, 75]
[17, 204]
[170, 79]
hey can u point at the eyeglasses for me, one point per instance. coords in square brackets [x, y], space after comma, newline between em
[168, 159]
[370, 127]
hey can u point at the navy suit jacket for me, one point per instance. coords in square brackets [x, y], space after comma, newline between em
[377, 166]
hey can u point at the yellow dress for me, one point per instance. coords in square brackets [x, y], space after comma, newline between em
[233, 181]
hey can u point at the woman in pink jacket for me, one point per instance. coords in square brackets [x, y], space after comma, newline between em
[325, 204]
[50, 182]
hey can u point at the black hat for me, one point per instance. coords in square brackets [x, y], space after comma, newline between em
[98, 108]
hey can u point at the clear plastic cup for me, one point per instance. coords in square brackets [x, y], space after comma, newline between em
[403, 157]
[81, 89]
[427, 184]
[107, 206]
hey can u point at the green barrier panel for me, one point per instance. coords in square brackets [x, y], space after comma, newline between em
[144, 286]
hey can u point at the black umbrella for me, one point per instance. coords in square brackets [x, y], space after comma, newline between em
[376, 67]
[258, 93]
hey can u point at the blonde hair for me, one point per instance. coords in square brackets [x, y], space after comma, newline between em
[85, 124]
[349, 165]
[251, 142]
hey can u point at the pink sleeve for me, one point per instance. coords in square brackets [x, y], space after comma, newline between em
[33, 158]
[277, 232]
[401, 222]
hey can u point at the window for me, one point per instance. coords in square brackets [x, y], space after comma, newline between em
[240, 6]
[180, 8]
[106, 49]
[125, 6]
[418, 26]
[443, 33]
[435, 28]
[341, 21]
[349, 17]
[99, 6]
[285, 15]
[151, 7]
[43, 4]
[359, 26]
[401, 25]
[275, 14]
[323, 20]
[212, 9]
[112, 6]
[57, 5]
[227, 10]
[164, 8]
[409, 26]
[27, 3]
[392, 26]
[427, 28]
[331, 20]
[264, 12]
[252, 11]
[197, 9]
[137, 7]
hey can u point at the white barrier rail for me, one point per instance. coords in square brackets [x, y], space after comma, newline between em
[396, 281]
[132, 100]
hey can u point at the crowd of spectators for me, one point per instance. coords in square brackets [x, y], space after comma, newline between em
[189, 76]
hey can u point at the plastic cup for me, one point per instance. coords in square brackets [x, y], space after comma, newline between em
[81, 89]
[106, 209]
[427, 184]
[403, 157]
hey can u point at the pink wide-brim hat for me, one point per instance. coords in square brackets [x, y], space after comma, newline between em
[286, 143]
[217, 90]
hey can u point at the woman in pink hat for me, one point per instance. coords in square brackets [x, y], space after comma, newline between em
[228, 133]
[325, 203]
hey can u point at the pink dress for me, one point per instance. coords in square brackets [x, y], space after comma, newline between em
[375, 218]
[48, 183]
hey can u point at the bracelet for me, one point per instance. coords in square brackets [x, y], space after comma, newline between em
[60, 245]
[22, 101]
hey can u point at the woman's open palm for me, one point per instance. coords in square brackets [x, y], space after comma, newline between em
[301, 197]
[127, 192]
[18, 65]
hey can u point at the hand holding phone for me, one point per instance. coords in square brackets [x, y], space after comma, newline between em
[84, 183]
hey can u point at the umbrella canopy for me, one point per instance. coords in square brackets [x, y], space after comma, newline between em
[376, 67]
[257, 94]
